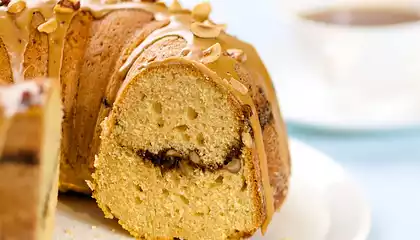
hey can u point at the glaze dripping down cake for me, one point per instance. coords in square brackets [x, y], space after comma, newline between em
[29, 149]
[169, 122]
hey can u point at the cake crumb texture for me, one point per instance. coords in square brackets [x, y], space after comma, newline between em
[175, 107]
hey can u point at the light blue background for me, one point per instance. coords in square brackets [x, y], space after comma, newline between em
[386, 165]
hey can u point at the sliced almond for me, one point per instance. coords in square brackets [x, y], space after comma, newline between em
[247, 139]
[194, 157]
[237, 54]
[201, 11]
[211, 23]
[49, 26]
[204, 30]
[234, 166]
[238, 86]
[59, 9]
[175, 7]
[16, 6]
[212, 53]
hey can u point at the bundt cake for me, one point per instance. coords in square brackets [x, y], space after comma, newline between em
[177, 120]
[30, 117]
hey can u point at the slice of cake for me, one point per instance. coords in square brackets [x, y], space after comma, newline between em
[30, 118]
[178, 158]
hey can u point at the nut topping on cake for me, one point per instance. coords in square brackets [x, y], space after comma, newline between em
[175, 7]
[49, 26]
[211, 23]
[205, 30]
[162, 4]
[16, 6]
[67, 6]
[237, 54]
[185, 52]
[201, 11]
[212, 53]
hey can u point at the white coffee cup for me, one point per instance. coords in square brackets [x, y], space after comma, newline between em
[347, 74]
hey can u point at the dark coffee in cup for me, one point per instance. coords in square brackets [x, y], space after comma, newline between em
[360, 16]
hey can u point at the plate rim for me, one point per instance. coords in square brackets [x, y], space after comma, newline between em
[366, 225]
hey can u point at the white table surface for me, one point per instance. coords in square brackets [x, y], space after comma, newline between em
[386, 165]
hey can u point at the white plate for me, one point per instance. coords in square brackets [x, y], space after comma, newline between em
[323, 204]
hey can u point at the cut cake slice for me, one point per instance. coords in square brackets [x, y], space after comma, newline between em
[30, 118]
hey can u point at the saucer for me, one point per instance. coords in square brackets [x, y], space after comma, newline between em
[318, 106]
[323, 202]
